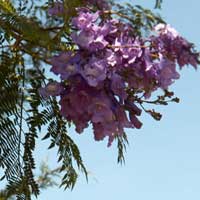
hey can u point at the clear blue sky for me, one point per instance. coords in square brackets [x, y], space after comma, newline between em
[163, 159]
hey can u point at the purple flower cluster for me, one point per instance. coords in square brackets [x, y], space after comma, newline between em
[172, 44]
[109, 61]
[83, 104]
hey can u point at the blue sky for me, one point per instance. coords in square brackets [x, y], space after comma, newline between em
[163, 158]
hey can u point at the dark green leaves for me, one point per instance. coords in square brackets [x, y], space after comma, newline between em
[158, 4]
[142, 20]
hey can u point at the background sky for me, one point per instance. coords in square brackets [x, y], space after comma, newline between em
[163, 158]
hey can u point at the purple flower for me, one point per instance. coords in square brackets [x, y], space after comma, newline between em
[51, 89]
[131, 107]
[85, 20]
[75, 102]
[95, 71]
[103, 130]
[183, 50]
[100, 109]
[83, 39]
[65, 64]
[166, 29]
[137, 124]
[167, 73]
[130, 48]
[175, 46]
[57, 9]
[122, 119]
[113, 59]
[118, 86]
[109, 29]
[60, 61]
[89, 41]
[98, 43]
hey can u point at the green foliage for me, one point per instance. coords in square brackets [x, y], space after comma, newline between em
[140, 18]
[122, 142]
[7, 6]
[9, 137]
[158, 4]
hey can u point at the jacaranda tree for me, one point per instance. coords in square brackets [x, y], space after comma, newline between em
[80, 62]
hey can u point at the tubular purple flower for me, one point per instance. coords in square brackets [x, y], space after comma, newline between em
[51, 89]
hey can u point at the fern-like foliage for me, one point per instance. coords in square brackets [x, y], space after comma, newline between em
[158, 4]
[140, 18]
[21, 115]
[9, 137]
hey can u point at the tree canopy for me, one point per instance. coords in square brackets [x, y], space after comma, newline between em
[93, 62]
